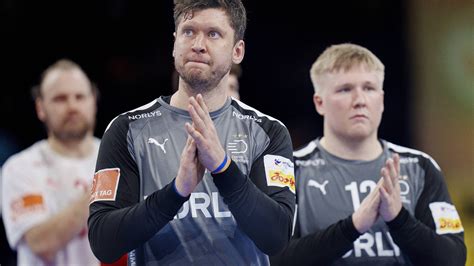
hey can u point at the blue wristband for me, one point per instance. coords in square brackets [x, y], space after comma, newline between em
[176, 189]
[222, 165]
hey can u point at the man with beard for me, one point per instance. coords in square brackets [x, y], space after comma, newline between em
[195, 178]
[233, 85]
[46, 187]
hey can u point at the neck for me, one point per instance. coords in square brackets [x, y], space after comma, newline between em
[349, 149]
[74, 148]
[214, 98]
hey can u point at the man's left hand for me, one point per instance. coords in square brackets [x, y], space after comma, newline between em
[391, 202]
[210, 151]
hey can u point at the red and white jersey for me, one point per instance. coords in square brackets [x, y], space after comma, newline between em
[38, 183]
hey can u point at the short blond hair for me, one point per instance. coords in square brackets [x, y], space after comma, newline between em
[343, 57]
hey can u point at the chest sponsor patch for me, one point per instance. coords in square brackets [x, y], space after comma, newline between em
[279, 171]
[105, 184]
[27, 204]
[446, 218]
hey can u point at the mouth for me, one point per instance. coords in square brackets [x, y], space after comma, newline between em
[197, 61]
[72, 118]
[359, 117]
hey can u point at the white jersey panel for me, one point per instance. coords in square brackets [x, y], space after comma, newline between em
[37, 184]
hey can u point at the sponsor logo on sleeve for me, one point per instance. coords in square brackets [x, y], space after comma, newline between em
[27, 204]
[105, 184]
[446, 218]
[279, 171]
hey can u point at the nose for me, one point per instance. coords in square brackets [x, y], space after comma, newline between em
[360, 98]
[73, 103]
[199, 44]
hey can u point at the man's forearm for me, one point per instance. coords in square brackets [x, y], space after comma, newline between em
[50, 236]
[423, 245]
[265, 220]
[119, 225]
[321, 247]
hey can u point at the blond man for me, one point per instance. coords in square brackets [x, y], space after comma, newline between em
[363, 200]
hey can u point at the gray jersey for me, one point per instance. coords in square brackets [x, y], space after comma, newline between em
[330, 189]
[204, 230]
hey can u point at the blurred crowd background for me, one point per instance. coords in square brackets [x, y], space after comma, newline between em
[125, 46]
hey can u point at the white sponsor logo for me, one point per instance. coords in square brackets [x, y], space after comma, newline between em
[279, 171]
[239, 158]
[404, 189]
[322, 187]
[315, 162]
[146, 115]
[446, 218]
[367, 242]
[408, 160]
[248, 117]
[201, 204]
[237, 146]
[161, 145]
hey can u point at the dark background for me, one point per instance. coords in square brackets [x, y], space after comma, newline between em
[125, 47]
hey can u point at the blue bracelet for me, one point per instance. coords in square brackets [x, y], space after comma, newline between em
[176, 189]
[222, 165]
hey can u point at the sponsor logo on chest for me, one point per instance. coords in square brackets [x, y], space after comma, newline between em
[145, 115]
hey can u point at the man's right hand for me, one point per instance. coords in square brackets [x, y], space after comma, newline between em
[190, 171]
[367, 213]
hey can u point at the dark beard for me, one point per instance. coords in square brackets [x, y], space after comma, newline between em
[198, 84]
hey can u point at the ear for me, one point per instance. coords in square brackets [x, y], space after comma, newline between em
[40, 110]
[318, 104]
[238, 52]
[383, 101]
[174, 36]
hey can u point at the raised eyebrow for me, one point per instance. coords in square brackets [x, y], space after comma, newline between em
[185, 28]
[217, 29]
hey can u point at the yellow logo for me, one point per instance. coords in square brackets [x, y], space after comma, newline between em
[278, 178]
[448, 224]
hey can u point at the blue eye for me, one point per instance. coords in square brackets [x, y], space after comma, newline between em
[214, 34]
[187, 32]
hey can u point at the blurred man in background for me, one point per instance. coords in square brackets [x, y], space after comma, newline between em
[233, 85]
[46, 188]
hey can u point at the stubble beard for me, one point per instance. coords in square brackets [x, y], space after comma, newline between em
[197, 80]
[66, 132]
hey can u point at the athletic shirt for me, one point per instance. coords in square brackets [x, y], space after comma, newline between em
[138, 161]
[37, 184]
[330, 189]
